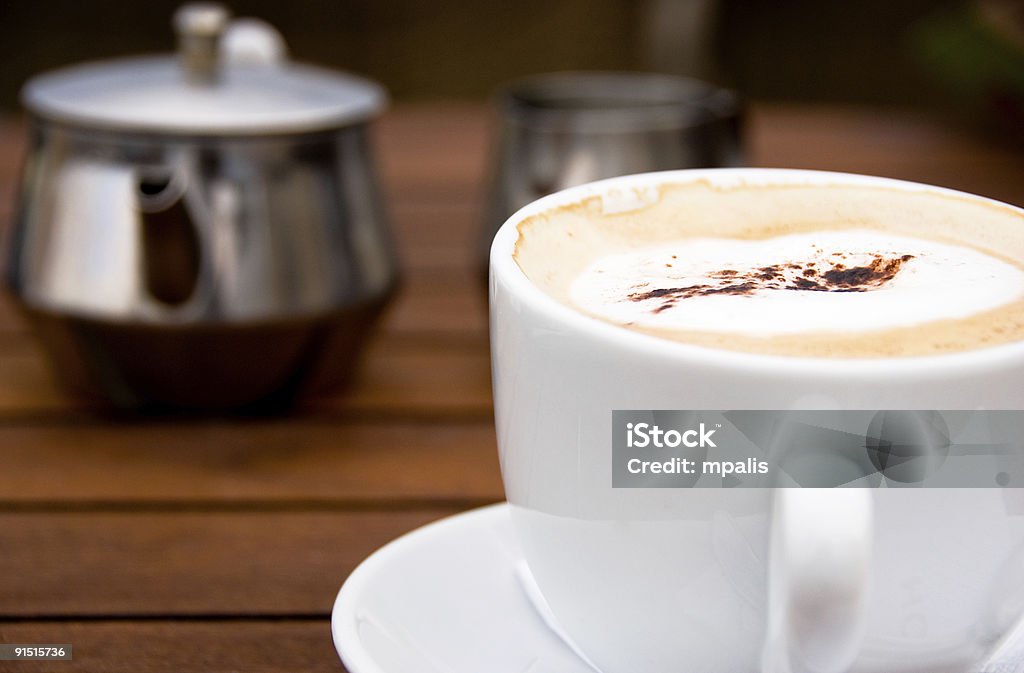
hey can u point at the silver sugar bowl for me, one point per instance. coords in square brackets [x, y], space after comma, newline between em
[201, 230]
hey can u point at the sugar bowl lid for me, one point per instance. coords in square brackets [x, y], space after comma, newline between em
[229, 78]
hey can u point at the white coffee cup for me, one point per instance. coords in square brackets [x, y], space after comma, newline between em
[741, 580]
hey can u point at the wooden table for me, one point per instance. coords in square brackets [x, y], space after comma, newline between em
[219, 545]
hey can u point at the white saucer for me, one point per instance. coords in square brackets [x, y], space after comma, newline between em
[450, 597]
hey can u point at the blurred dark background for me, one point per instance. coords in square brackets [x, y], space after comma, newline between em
[923, 53]
[423, 49]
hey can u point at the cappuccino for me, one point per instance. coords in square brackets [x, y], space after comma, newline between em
[799, 270]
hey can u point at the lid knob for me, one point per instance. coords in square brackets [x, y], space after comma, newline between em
[199, 26]
[252, 42]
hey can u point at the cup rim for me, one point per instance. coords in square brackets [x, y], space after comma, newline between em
[505, 270]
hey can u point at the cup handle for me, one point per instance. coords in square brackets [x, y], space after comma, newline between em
[819, 571]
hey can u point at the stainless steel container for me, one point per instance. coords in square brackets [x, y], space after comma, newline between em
[558, 130]
[202, 230]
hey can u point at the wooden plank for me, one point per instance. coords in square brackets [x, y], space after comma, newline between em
[187, 563]
[438, 237]
[442, 305]
[10, 319]
[289, 461]
[435, 152]
[419, 380]
[12, 140]
[893, 143]
[170, 646]
[398, 379]
[452, 303]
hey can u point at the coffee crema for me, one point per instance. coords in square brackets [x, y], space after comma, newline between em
[802, 270]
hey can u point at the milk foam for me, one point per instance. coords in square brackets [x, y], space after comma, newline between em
[847, 280]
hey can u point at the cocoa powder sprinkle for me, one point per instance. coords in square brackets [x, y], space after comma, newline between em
[802, 277]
